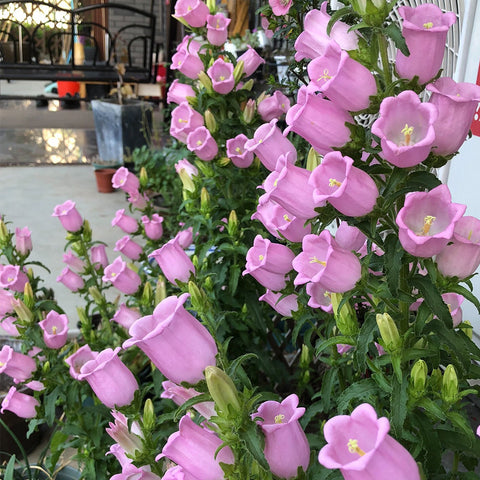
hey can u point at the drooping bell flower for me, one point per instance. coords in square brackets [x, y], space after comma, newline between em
[78, 359]
[319, 121]
[125, 180]
[202, 144]
[456, 104]
[273, 106]
[425, 29]
[125, 222]
[23, 240]
[178, 92]
[251, 61]
[343, 80]
[406, 129]
[217, 29]
[288, 186]
[73, 262]
[16, 365]
[187, 62]
[184, 120]
[8, 324]
[138, 200]
[349, 237]
[279, 222]
[221, 74]
[125, 316]
[319, 297]
[269, 143]
[347, 188]
[128, 247]
[265, 24]
[280, 7]
[68, 215]
[174, 262]
[359, 445]
[177, 473]
[5, 302]
[73, 281]
[286, 445]
[461, 257]
[269, 263]
[128, 437]
[237, 153]
[21, 404]
[184, 237]
[174, 340]
[112, 382]
[122, 277]
[179, 395]
[343, 348]
[193, 12]
[313, 40]
[284, 306]
[153, 226]
[427, 221]
[98, 256]
[13, 278]
[195, 449]
[55, 329]
[132, 472]
[323, 261]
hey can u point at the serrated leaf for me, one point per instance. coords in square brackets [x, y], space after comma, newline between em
[365, 337]
[394, 253]
[467, 294]
[395, 34]
[461, 423]
[431, 408]
[323, 344]
[423, 179]
[365, 390]
[398, 403]
[254, 444]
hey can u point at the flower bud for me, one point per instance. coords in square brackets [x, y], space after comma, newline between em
[224, 161]
[313, 160]
[192, 101]
[450, 385]
[160, 290]
[222, 390]
[467, 329]
[85, 321]
[87, 231]
[24, 314]
[195, 261]
[345, 318]
[418, 378]
[248, 85]
[388, 332]
[148, 415]
[232, 225]
[209, 284]
[187, 180]
[372, 11]
[238, 71]
[46, 367]
[205, 81]
[262, 97]
[212, 6]
[181, 20]
[210, 121]
[28, 297]
[147, 294]
[3, 233]
[204, 202]
[143, 177]
[305, 357]
[197, 297]
[96, 295]
[249, 111]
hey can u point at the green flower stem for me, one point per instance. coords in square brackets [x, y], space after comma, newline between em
[383, 46]
[404, 307]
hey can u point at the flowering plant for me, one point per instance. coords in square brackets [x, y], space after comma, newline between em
[358, 254]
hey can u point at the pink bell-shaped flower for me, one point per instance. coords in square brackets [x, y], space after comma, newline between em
[350, 190]
[68, 215]
[319, 121]
[221, 74]
[23, 240]
[273, 106]
[427, 220]
[269, 263]
[184, 120]
[286, 445]
[319, 297]
[73, 281]
[177, 473]
[184, 237]
[323, 261]
[13, 278]
[125, 222]
[405, 128]
[280, 7]
[73, 262]
[193, 12]
[425, 29]
[122, 277]
[456, 104]
[178, 92]
[359, 445]
[350, 238]
[125, 316]
[251, 61]
[236, 152]
[217, 29]
[125, 180]
[16, 365]
[8, 324]
[128, 437]
[195, 449]
[78, 359]
[132, 472]
[174, 262]
[202, 144]
[55, 329]
[343, 80]
[128, 247]
[174, 340]
[268, 144]
[153, 226]
[98, 256]
[284, 306]
[6, 298]
[112, 382]
[21, 404]
[461, 257]
[187, 62]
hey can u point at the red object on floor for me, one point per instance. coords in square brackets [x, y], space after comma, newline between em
[65, 87]
[476, 119]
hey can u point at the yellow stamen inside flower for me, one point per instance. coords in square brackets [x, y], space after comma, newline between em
[427, 224]
[354, 448]
[113, 274]
[449, 307]
[316, 260]
[286, 218]
[279, 418]
[407, 132]
[1, 364]
[260, 141]
[222, 77]
[327, 294]
[275, 183]
[283, 105]
[189, 9]
[199, 142]
[469, 237]
[334, 183]
[181, 120]
[54, 330]
[428, 25]
[261, 257]
[10, 279]
[325, 76]
[238, 150]
[218, 23]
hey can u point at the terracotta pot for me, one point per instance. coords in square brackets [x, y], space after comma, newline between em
[104, 179]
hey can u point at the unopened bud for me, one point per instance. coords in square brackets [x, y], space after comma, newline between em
[232, 225]
[345, 317]
[143, 177]
[87, 231]
[204, 202]
[3, 233]
[147, 294]
[85, 321]
[209, 284]
[222, 390]
[467, 329]
[212, 6]
[160, 290]
[24, 314]
[28, 297]
[388, 332]
[248, 85]
[224, 161]
[197, 296]
[187, 180]
[181, 20]
[210, 121]
[46, 367]
[194, 259]
[372, 11]
[313, 160]
[192, 101]
[262, 97]
[204, 79]
[96, 295]
[450, 385]
[305, 357]
[418, 377]
[249, 111]
[148, 415]
[238, 71]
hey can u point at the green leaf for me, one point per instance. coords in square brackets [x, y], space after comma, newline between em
[365, 337]
[254, 444]
[466, 293]
[365, 390]
[9, 470]
[398, 403]
[395, 34]
[337, 15]
[322, 345]
[431, 408]
[233, 280]
[459, 421]
[394, 253]
[423, 179]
